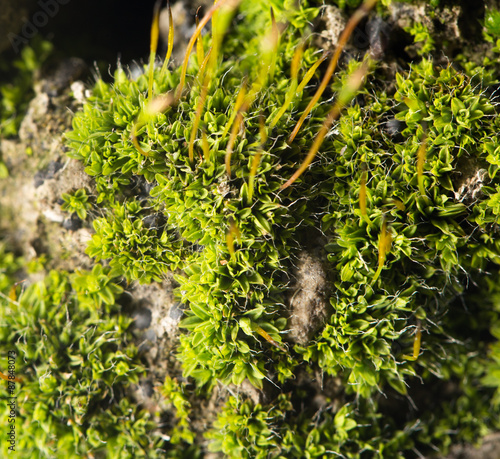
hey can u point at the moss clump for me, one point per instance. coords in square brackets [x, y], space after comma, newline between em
[76, 367]
[398, 215]
[195, 203]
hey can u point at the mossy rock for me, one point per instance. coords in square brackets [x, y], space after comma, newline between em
[352, 310]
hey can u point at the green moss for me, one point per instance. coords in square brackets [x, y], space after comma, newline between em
[492, 24]
[77, 367]
[175, 393]
[76, 202]
[422, 186]
[17, 89]
[195, 203]
[438, 241]
[408, 219]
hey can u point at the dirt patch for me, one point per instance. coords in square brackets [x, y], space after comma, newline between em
[309, 304]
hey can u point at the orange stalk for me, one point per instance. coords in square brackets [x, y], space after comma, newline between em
[230, 144]
[135, 141]
[256, 158]
[399, 204]
[359, 14]
[155, 32]
[205, 146]
[420, 166]
[362, 199]
[193, 39]
[170, 44]
[275, 37]
[293, 83]
[240, 98]
[253, 172]
[309, 74]
[204, 65]
[233, 233]
[205, 75]
[199, 44]
[269, 47]
[384, 246]
[268, 338]
[6, 378]
[417, 341]
[243, 101]
[199, 110]
[13, 293]
[346, 94]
